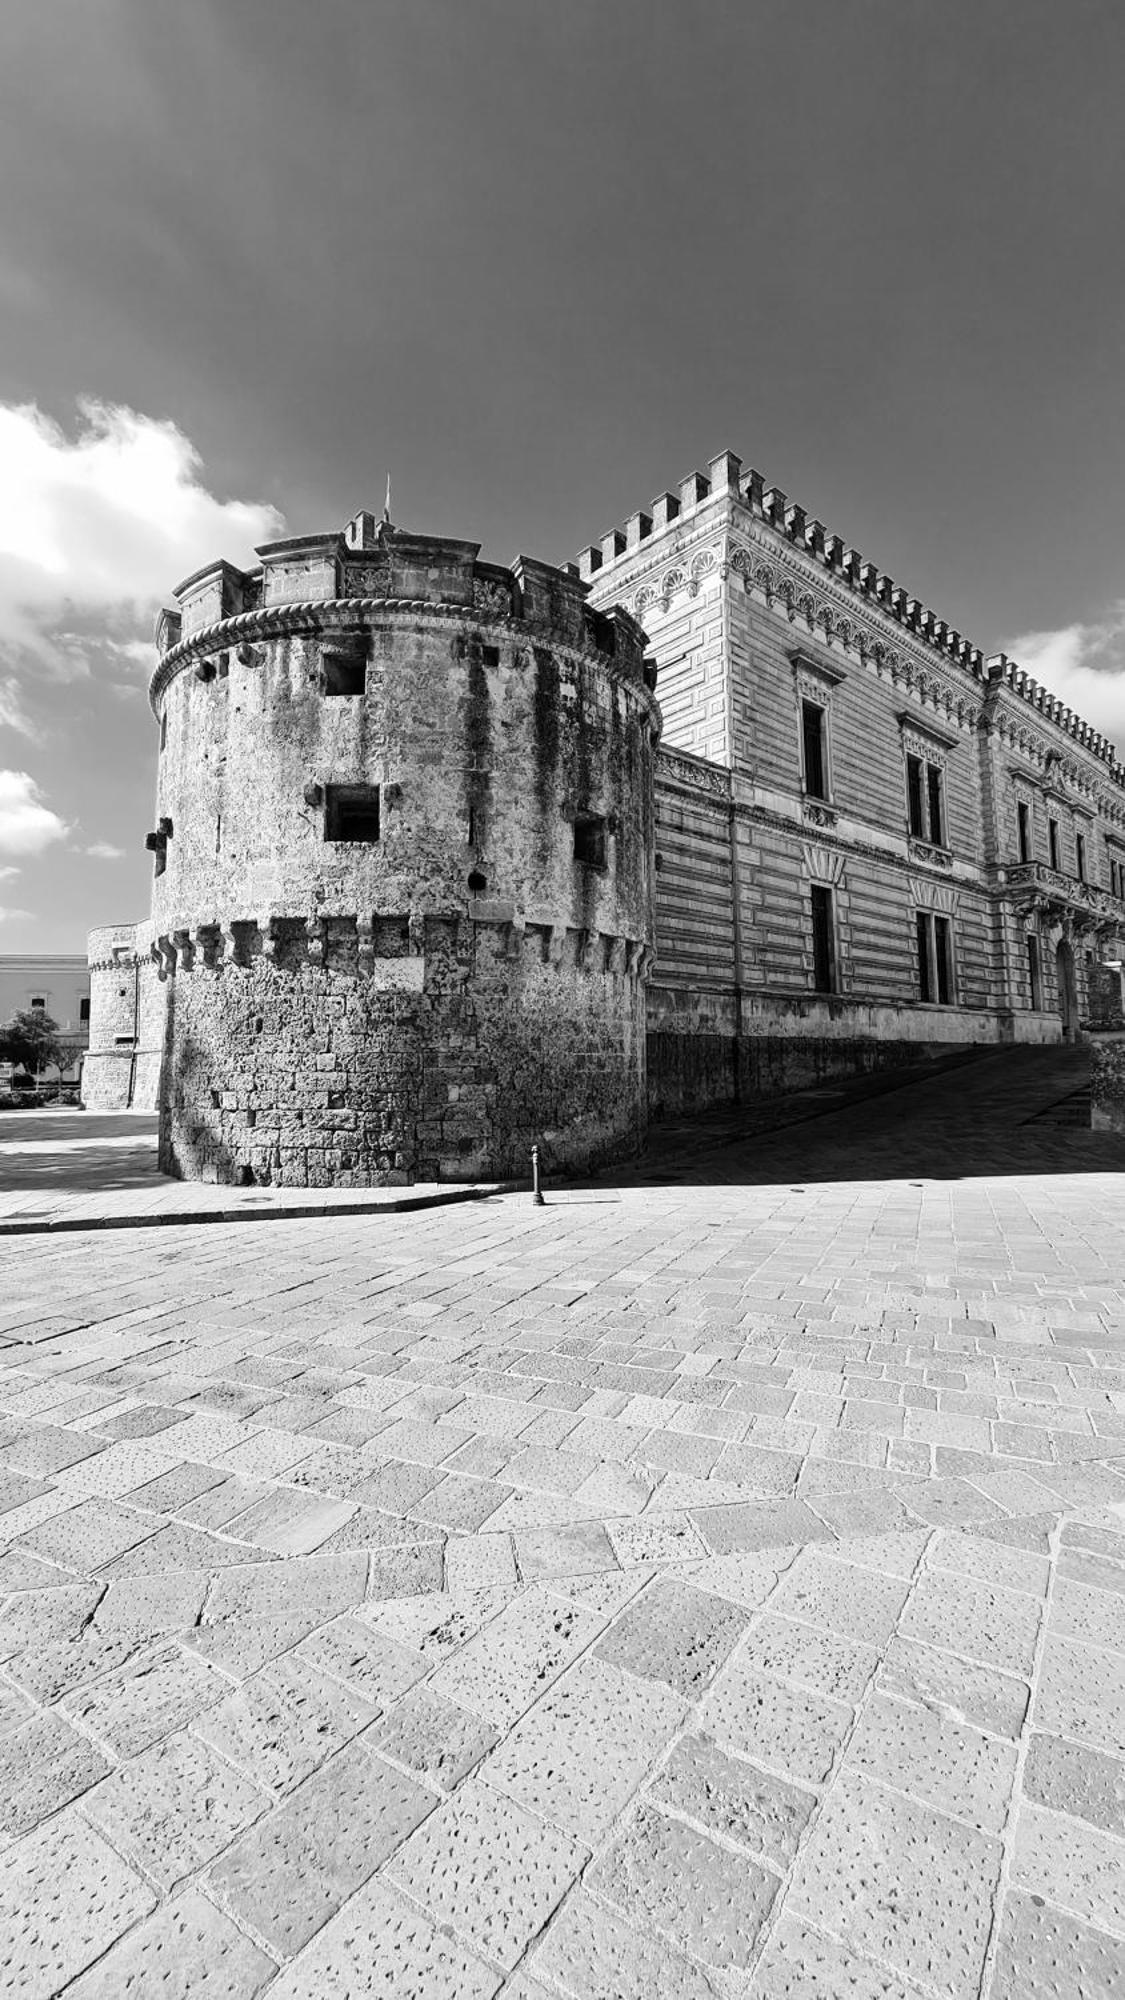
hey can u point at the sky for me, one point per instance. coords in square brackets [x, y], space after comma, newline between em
[537, 259]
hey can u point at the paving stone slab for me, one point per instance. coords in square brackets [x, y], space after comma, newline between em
[508, 1665]
[280, 1725]
[1074, 1866]
[1078, 1694]
[733, 1798]
[411, 1571]
[982, 1622]
[582, 1751]
[590, 1953]
[801, 1964]
[380, 1947]
[1044, 1954]
[855, 1603]
[773, 1524]
[701, 1895]
[564, 1551]
[488, 1868]
[44, 1764]
[674, 1633]
[367, 1662]
[173, 1809]
[958, 1689]
[811, 1656]
[327, 1584]
[1072, 1778]
[65, 1896]
[88, 1535]
[188, 1951]
[937, 1760]
[434, 1737]
[794, 1730]
[37, 1618]
[1082, 1611]
[135, 1705]
[901, 1884]
[294, 1868]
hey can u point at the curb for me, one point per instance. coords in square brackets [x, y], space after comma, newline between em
[181, 1218]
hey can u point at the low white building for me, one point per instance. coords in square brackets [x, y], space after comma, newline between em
[58, 985]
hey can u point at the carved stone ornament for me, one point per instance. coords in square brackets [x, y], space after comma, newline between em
[700, 777]
[367, 579]
[818, 815]
[928, 854]
[491, 597]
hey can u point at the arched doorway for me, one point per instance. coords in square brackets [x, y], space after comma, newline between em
[1066, 990]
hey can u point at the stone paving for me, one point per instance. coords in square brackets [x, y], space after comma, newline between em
[710, 1589]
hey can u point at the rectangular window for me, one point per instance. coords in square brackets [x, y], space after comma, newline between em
[943, 959]
[84, 1010]
[934, 793]
[824, 940]
[813, 750]
[1053, 841]
[1023, 817]
[1080, 856]
[351, 813]
[164, 729]
[589, 840]
[1034, 974]
[935, 958]
[914, 789]
[343, 674]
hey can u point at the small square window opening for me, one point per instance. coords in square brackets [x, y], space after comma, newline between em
[589, 840]
[351, 813]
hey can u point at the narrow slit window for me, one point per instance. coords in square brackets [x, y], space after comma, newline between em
[164, 729]
[1080, 856]
[814, 750]
[1035, 976]
[915, 807]
[936, 804]
[351, 813]
[1053, 842]
[943, 959]
[824, 940]
[1023, 821]
[925, 971]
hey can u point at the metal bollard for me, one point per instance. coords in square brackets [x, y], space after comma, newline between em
[536, 1190]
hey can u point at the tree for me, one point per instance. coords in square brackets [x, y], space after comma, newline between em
[30, 1040]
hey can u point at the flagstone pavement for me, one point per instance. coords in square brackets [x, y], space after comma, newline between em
[714, 1588]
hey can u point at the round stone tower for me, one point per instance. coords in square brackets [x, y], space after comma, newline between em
[403, 855]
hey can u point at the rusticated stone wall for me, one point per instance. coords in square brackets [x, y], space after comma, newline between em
[309, 1068]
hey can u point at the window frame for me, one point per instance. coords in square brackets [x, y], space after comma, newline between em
[926, 752]
[827, 960]
[935, 945]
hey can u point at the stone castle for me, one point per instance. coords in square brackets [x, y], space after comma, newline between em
[431, 884]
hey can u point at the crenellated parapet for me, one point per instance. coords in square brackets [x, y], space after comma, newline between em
[782, 527]
[313, 585]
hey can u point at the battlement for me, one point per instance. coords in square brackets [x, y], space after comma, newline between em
[303, 580]
[726, 481]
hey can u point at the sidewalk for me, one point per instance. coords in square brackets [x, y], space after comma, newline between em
[709, 1591]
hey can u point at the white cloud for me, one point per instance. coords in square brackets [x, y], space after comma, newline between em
[103, 524]
[104, 850]
[10, 915]
[1084, 665]
[26, 824]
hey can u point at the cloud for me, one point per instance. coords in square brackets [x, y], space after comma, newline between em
[96, 528]
[1084, 665]
[8, 914]
[104, 850]
[26, 824]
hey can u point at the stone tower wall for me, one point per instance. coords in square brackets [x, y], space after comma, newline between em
[427, 1002]
[121, 1069]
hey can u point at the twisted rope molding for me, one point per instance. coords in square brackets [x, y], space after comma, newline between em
[279, 621]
